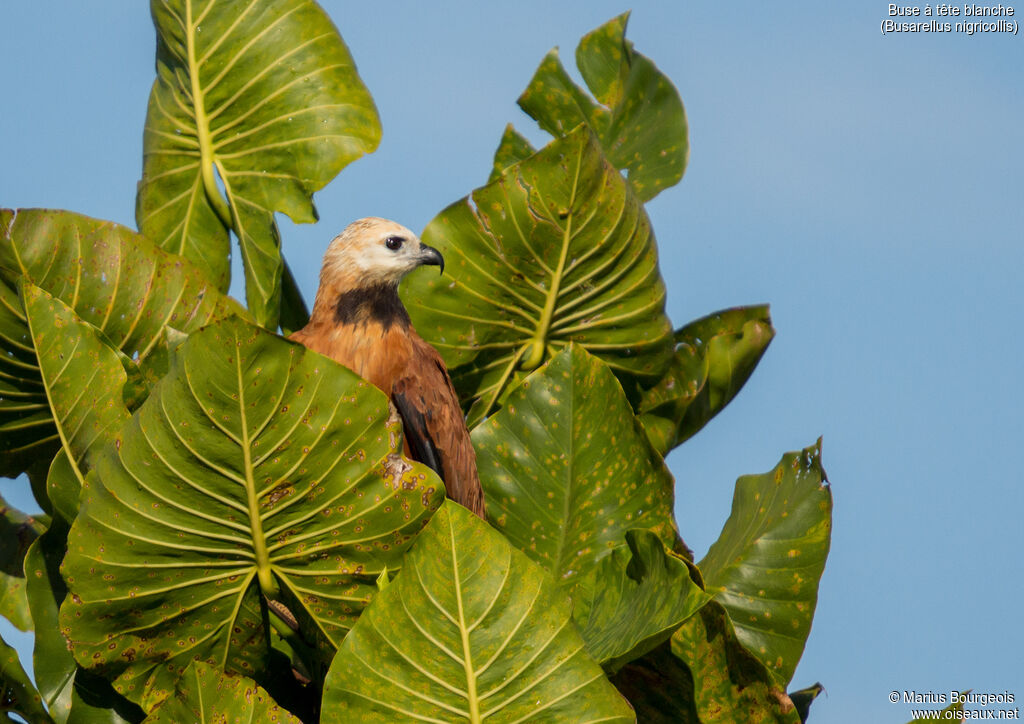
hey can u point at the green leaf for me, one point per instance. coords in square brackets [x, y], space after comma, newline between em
[53, 665]
[470, 630]
[765, 566]
[13, 602]
[633, 600]
[206, 694]
[567, 470]
[113, 279]
[513, 148]
[714, 357]
[731, 686]
[84, 379]
[731, 661]
[557, 250]
[254, 108]
[63, 486]
[17, 694]
[17, 532]
[294, 314]
[255, 470]
[638, 116]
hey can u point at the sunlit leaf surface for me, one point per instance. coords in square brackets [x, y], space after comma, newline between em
[69, 693]
[114, 280]
[470, 631]
[765, 566]
[567, 470]
[636, 111]
[513, 148]
[633, 600]
[256, 470]
[256, 105]
[557, 250]
[714, 357]
[84, 380]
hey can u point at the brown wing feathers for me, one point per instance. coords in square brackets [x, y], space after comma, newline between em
[417, 433]
[433, 423]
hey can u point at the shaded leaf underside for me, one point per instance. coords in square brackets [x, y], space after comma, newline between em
[17, 533]
[206, 694]
[730, 685]
[18, 693]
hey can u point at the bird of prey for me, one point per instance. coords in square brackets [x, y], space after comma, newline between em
[359, 321]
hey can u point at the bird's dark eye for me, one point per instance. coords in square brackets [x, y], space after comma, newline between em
[394, 242]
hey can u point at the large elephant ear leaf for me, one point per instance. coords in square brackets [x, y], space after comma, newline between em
[765, 566]
[566, 468]
[470, 630]
[638, 115]
[206, 694]
[714, 357]
[557, 250]
[257, 475]
[112, 279]
[254, 108]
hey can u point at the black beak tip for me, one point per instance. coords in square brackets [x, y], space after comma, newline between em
[432, 256]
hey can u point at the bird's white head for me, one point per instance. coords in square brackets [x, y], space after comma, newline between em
[372, 252]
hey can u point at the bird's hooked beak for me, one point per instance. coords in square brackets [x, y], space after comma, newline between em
[431, 256]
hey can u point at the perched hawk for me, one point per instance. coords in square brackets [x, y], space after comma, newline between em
[359, 321]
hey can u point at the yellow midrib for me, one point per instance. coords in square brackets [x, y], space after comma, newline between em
[467, 658]
[264, 573]
[206, 155]
[537, 345]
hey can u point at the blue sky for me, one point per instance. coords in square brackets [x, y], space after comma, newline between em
[870, 188]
